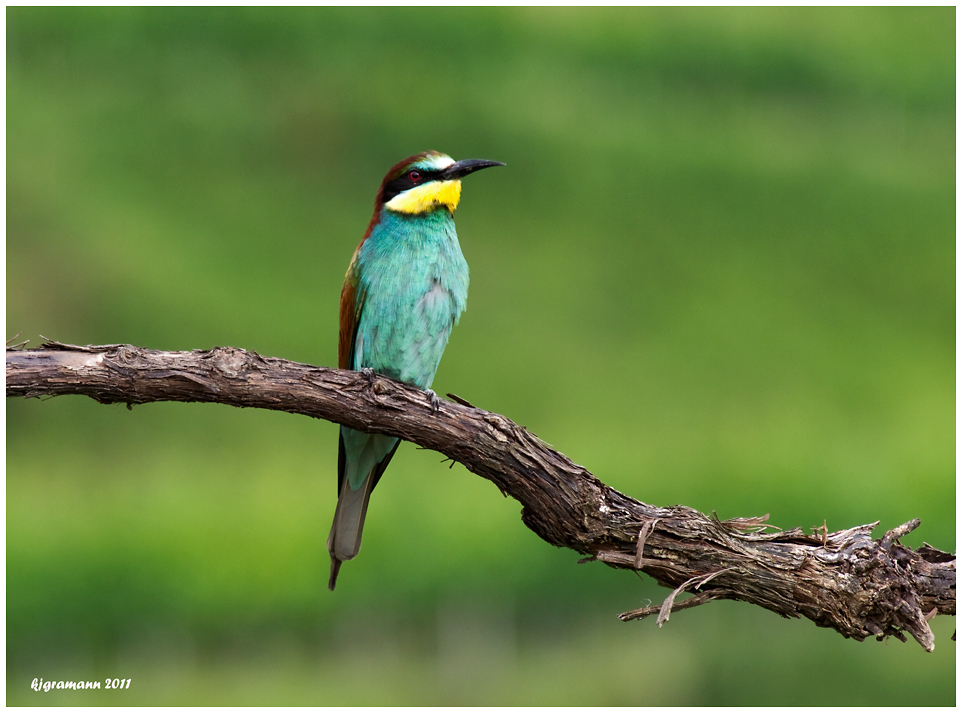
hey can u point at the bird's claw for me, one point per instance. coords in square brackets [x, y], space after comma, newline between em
[435, 401]
[369, 373]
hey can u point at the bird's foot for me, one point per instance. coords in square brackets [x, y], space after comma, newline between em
[435, 401]
[369, 373]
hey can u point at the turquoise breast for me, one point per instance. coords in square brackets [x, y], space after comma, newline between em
[414, 283]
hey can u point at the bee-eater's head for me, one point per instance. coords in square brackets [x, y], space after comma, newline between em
[427, 181]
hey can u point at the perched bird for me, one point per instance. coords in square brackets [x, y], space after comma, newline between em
[404, 291]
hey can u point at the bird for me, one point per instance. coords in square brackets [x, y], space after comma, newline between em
[405, 289]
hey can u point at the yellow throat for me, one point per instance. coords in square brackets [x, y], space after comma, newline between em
[427, 197]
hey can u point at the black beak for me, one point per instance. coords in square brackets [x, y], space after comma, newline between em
[463, 168]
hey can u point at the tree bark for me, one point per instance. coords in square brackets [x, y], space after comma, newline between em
[843, 580]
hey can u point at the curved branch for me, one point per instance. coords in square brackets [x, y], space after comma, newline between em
[843, 580]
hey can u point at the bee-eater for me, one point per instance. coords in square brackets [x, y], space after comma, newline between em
[404, 291]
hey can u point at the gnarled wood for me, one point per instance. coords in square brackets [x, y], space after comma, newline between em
[843, 580]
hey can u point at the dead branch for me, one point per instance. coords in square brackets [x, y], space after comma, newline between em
[843, 580]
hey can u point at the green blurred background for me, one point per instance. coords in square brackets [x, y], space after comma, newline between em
[718, 270]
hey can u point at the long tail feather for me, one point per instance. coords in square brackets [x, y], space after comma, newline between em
[344, 542]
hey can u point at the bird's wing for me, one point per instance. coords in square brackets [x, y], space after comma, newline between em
[352, 301]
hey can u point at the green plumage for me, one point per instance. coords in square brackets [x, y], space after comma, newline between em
[413, 281]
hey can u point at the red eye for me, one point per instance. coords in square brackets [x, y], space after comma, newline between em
[414, 176]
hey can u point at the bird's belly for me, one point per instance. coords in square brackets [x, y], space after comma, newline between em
[404, 336]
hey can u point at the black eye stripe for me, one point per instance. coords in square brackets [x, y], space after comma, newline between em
[404, 182]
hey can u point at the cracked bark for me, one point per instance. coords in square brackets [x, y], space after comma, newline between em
[842, 580]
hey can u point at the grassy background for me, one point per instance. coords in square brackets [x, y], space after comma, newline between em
[718, 270]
